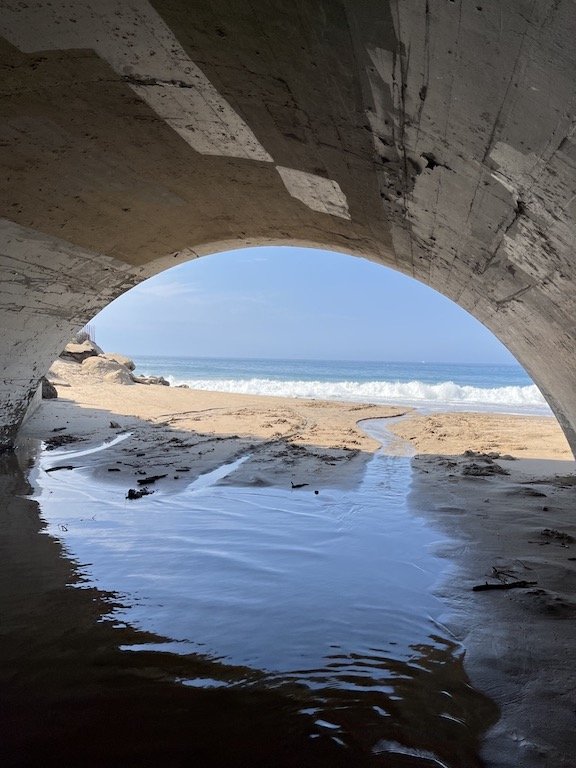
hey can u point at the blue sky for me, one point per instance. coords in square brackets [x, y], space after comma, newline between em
[293, 303]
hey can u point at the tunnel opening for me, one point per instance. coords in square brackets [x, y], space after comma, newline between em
[55, 333]
[297, 304]
[437, 138]
[264, 558]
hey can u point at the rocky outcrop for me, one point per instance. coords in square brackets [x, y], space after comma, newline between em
[107, 370]
[80, 352]
[122, 359]
[49, 391]
[150, 380]
[84, 358]
[81, 336]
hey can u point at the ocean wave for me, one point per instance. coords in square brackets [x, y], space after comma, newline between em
[445, 393]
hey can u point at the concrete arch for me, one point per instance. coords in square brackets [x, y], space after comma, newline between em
[437, 138]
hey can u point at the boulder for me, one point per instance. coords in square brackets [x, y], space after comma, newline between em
[48, 389]
[81, 336]
[150, 380]
[101, 369]
[122, 359]
[79, 352]
[120, 376]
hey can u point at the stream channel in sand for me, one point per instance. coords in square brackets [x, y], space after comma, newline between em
[324, 598]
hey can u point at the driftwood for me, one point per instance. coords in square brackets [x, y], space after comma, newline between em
[151, 479]
[62, 466]
[501, 585]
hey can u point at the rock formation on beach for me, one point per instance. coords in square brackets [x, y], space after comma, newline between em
[91, 361]
[103, 368]
[80, 351]
[49, 391]
[122, 359]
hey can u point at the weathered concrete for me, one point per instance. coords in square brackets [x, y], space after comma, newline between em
[437, 137]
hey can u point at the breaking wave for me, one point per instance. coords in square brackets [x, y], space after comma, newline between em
[446, 394]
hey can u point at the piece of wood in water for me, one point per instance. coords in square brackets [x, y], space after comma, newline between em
[62, 466]
[151, 479]
[501, 585]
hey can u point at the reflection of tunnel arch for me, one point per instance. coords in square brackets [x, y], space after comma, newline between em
[436, 140]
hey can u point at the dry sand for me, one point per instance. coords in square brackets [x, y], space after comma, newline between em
[507, 519]
[528, 437]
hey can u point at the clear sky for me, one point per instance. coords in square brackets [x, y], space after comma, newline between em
[292, 303]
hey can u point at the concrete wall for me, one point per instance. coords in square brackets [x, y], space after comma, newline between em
[436, 137]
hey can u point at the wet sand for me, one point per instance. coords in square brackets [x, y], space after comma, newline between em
[515, 525]
[518, 525]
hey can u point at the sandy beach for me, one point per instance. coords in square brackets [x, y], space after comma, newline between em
[287, 440]
[500, 487]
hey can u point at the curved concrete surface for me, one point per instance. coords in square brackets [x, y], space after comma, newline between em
[436, 137]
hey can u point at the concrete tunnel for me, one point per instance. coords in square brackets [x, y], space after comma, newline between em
[437, 137]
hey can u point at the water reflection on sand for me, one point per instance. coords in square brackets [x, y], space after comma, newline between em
[273, 626]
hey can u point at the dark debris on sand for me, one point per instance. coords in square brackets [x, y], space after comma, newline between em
[150, 479]
[559, 536]
[483, 470]
[137, 493]
[59, 440]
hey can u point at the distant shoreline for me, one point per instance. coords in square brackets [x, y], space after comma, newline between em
[450, 387]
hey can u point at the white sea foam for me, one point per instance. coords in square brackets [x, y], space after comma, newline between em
[446, 394]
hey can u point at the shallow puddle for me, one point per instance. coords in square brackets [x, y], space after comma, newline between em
[311, 614]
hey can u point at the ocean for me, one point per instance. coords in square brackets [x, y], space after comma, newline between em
[429, 386]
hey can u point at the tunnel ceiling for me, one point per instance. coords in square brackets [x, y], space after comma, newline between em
[436, 137]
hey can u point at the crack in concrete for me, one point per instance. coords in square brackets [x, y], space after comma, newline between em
[519, 211]
[152, 81]
[512, 297]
